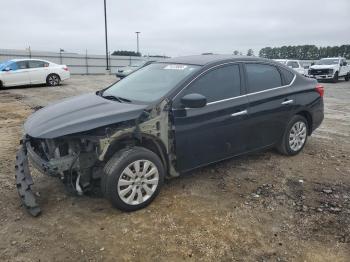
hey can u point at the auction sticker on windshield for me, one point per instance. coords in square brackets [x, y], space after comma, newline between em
[176, 67]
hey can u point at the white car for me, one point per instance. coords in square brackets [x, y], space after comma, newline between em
[295, 64]
[19, 72]
[330, 68]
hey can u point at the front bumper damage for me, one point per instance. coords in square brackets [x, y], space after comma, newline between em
[24, 181]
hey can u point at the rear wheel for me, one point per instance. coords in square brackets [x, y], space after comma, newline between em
[294, 137]
[132, 178]
[53, 80]
[335, 77]
[347, 77]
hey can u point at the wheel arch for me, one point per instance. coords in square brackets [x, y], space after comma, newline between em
[308, 117]
[147, 141]
[53, 73]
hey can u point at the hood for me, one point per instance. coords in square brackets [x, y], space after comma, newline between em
[323, 66]
[78, 114]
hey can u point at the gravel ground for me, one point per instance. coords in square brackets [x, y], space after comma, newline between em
[260, 207]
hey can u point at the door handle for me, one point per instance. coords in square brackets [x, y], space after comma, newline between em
[287, 102]
[240, 113]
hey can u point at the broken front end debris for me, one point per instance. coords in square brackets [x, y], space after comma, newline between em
[71, 160]
[78, 159]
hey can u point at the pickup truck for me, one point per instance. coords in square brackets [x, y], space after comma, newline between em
[330, 68]
[294, 64]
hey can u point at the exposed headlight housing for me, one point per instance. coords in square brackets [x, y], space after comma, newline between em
[330, 71]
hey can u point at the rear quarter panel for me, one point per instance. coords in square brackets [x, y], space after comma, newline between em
[308, 99]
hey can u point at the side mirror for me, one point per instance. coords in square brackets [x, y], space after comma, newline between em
[6, 69]
[194, 100]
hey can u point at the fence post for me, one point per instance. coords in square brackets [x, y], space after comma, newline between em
[110, 66]
[86, 62]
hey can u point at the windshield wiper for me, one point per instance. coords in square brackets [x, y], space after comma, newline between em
[116, 98]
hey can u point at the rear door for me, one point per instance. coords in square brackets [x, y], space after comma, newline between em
[271, 102]
[217, 130]
[38, 71]
[17, 75]
[344, 69]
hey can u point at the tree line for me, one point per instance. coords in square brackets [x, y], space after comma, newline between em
[305, 52]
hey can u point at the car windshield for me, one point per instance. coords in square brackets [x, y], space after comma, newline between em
[4, 65]
[328, 62]
[150, 83]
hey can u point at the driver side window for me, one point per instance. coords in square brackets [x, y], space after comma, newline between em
[22, 65]
[218, 84]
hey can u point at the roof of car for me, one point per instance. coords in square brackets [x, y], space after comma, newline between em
[209, 59]
[26, 59]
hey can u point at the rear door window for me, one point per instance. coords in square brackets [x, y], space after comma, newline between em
[37, 64]
[218, 84]
[261, 77]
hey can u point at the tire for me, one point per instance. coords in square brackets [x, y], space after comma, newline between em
[53, 80]
[298, 124]
[335, 77]
[127, 189]
[347, 77]
[1, 85]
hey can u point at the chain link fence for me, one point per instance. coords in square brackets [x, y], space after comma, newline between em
[82, 64]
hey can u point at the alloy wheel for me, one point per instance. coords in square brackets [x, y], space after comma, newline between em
[297, 136]
[53, 80]
[138, 182]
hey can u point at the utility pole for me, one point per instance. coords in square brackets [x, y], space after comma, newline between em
[30, 52]
[107, 64]
[61, 50]
[137, 42]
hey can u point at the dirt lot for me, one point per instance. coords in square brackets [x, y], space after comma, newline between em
[261, 207]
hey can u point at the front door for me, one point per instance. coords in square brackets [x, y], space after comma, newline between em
[17, 74]
[343, 70]
[217, 130]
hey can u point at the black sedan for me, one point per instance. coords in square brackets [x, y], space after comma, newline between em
[166, 119]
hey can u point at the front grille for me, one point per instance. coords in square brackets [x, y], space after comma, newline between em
[320, 71]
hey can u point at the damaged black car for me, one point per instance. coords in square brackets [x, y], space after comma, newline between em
[166, 119]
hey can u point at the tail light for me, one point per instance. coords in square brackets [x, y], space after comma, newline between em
[319, 89]
[65, 68]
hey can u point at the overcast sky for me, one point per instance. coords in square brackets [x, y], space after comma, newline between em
[173, 28]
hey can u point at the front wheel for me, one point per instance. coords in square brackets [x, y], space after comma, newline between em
[53, 80]
[294, 137]
[133, 178]
[335, 77]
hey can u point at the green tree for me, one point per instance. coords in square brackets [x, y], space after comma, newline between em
[236, 52]
[305, 52]
[250, 52]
